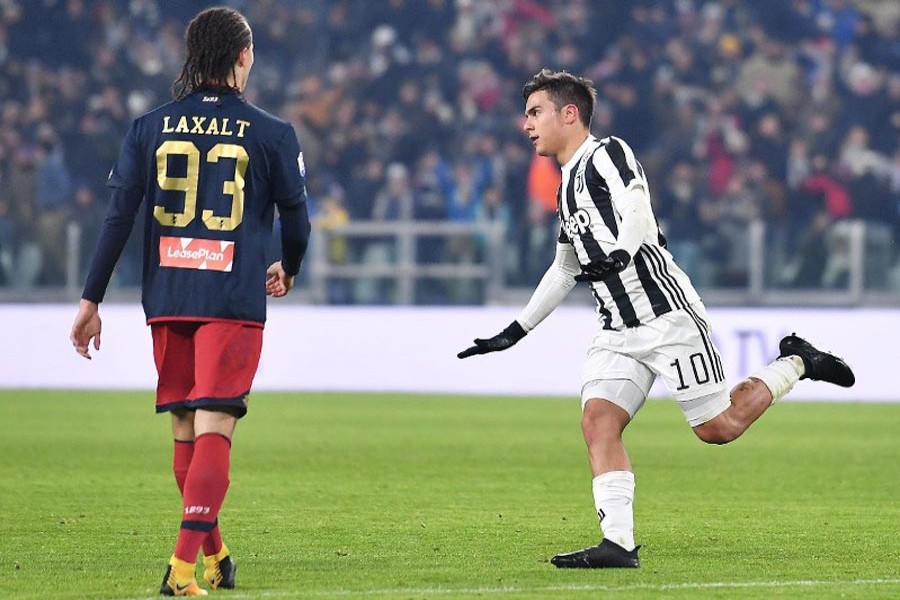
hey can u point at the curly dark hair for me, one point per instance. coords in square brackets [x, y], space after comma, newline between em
[564, 88]
[214, 40]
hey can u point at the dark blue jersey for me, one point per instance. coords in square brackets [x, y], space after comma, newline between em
[211, 168]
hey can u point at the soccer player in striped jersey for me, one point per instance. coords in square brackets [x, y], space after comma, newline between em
[210, 169]
[652, 322]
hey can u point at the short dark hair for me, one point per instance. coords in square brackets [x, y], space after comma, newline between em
[214, 40]
[564, 88]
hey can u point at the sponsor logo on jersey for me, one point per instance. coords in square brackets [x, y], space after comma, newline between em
[196, 253]
[210, 98]
[577, 223]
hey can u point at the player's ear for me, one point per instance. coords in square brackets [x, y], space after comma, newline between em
[245, 58]
[570, 114]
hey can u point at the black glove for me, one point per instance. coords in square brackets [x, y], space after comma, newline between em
[503, 340]
[605, 268]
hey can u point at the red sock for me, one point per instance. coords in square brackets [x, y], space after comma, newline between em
[204, 492]
[213, 541]
[184, 451]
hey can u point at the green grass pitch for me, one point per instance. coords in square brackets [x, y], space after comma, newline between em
[414, 497]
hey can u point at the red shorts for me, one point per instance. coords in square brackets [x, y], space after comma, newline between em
[207, 365]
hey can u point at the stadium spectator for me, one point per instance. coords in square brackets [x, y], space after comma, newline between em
[21, 190]
[366, 87]
[53, 204]
[87, 213]
[679, 212]
[543, 184]
[330, 214]
[7, 231]
[514, 192]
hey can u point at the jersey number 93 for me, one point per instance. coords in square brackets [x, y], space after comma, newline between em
[188, 184]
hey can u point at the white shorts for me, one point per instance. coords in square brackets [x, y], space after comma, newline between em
[678, 347]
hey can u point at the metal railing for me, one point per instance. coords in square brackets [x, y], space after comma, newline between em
[403, 267]
[860, 245]
[865, 252]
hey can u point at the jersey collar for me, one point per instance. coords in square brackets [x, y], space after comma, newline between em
[217, 89]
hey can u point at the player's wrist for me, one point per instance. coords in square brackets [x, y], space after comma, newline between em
[291, 268]
[621, 256]
[514, 331]
[86, 304]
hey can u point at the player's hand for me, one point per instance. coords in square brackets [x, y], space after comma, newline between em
[605, 268]
[85, 328]
[278, 283]
[503, 340]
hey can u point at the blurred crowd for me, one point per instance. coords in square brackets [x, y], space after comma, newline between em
[785, 112]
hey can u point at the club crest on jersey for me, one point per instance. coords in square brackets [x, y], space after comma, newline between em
[579, 172]
[579, 178]
[577, 223]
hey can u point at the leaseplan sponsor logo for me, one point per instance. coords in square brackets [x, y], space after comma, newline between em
[195, 253]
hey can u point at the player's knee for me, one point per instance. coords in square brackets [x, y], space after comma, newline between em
[720, 430]
[589, 426]
[601, 421]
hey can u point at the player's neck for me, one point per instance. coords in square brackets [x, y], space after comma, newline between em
[228, 84]
[572, 145]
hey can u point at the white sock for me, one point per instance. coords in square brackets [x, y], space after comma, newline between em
[613, 498]
[781, 375]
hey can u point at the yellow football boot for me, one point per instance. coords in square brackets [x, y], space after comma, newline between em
[179, 580]
[219, 570]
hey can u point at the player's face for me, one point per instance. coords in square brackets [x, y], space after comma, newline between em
[543, 124]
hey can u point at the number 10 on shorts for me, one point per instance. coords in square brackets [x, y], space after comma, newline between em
[699, 368]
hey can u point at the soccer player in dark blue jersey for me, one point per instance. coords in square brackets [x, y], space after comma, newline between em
[209, 168]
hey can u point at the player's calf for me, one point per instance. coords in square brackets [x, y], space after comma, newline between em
[747, 402]
[720, 430]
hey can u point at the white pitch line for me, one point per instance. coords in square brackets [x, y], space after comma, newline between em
[556, 588]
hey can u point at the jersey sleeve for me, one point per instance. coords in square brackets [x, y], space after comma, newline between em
[127, 173]
[617, 165]
[628, 191]
[553, 288]
[288, 171]
[120, 215]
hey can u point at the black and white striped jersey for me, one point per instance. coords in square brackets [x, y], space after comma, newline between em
[590, 205]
